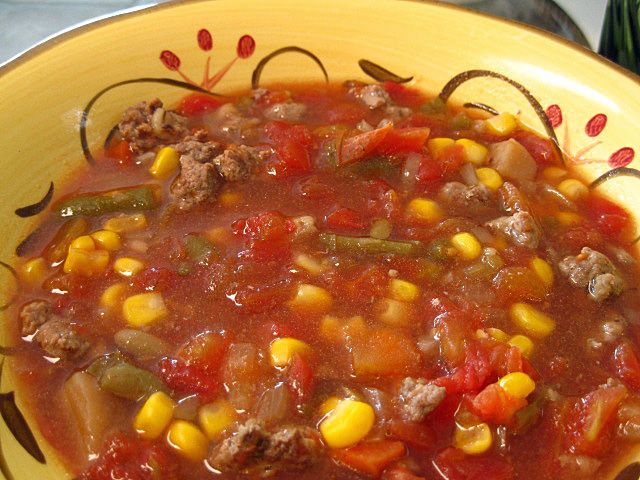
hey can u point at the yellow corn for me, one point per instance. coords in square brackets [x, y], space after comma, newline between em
[568, 218]
[84, 242]
[166, 163]
[517, 384]
[229, 199]
[154, 416]
[489, 177]
[467, 245]
[311, 298]
[144, 309]
[34, 271]
[534, 322]
[282, 349]
[573, 189]
[106, 240]
[437, 145]
[112, 297]
[329, 405]
[403, 290]
[424, 209]
[543, 270]
[127, 266]
[473, 152]
[126, 223]
[188, 440]
[394, 312]
[523, 343]
[502, 124]
[498, 334]
[215, 417]
[554, 174]
[310, 264]
[348, 423]
[473, 440]
[86, 263]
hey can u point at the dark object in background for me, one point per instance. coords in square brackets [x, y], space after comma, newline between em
[620, 40]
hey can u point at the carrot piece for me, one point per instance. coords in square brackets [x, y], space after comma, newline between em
[399, 471]
[359, 146]
[370, 458]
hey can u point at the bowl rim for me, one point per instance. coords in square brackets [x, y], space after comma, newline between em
[85, 26]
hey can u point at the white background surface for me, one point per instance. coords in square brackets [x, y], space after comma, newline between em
[26, 22]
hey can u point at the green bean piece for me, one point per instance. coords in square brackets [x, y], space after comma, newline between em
[429, 269]
[127, 381]
[381, 228]
[198, 247]
[141, 345]
[100, 364]
[461, 122]
[369, 245]
[439, 250]
[184, 269]
[435, 105]
[526, 417]
[118, 201]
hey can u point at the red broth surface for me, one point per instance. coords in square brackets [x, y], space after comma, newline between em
[340, 282]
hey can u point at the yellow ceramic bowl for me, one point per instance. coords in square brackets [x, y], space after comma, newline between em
[594, 107]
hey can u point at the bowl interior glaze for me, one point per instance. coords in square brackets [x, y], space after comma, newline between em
[594, 107]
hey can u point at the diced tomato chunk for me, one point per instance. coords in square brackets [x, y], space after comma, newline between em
[472, 375]
[403, 95]
[429, 171]
[493, 404]
[539, 148]
[401, 140]
[359, 146]
[400, 472]
[381, 351]
[272, 97]
[189, 379]
[610, 219]
[267, 225]
[589, 422]
[345, 219]
[454, 464]
[205, 350]
[415, 434]
[300, 379]
[627, 365]
[370, 458]
[198, 103]
[344, 113]
[120, 152]
[292, 143]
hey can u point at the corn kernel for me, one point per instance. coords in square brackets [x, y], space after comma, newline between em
[554, 174]
[348, 423]
[523, 343]
[310, 264]
[219, 235]
[113, 295]
[467, 245]
[144, 309]
[215, 417]
[331, 328]
[127, 266]
[282, 349]
[86, 263]
[573, 189]
[106, 240]
[534, 322]
[498, 334]
[473, 152]
[329, 405]
[437, 145]
[84, 242]
[188, 440]
[489, 177]
[34, 271]
[424, 209]
[166, 163]
[229, 199]
[473, 440]
[403, 290]
[311, 298]
[154, 416]
[502, 124]
[543, 270]
[568, 218]
[517, 384]
[126, 223]
[394, 312]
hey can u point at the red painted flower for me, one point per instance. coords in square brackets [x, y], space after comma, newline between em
[595, 126]
[246, 46]
[170, 60]
[205, 41]
[621, 158]
[555, 115]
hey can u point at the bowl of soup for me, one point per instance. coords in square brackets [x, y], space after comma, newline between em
[374, 239]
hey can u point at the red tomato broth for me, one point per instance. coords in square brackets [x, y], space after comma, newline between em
[243, 290]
